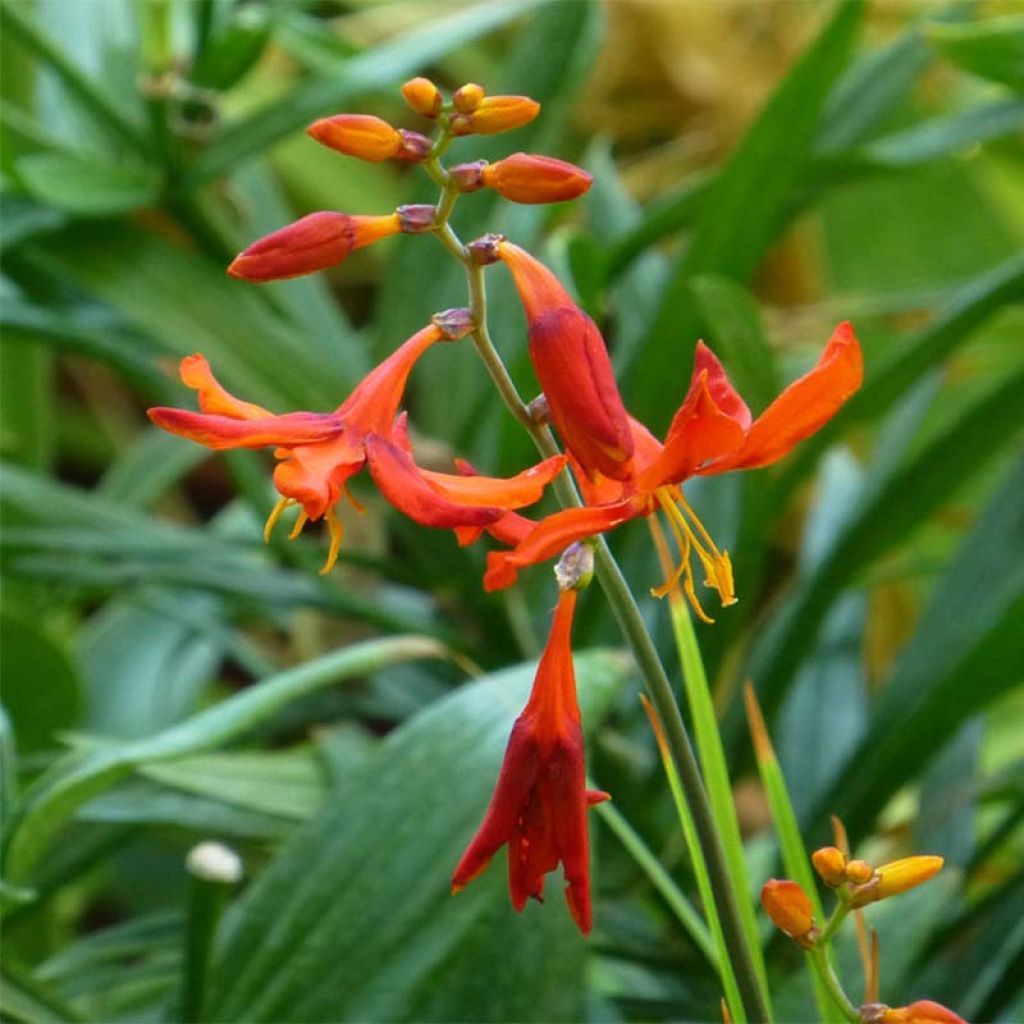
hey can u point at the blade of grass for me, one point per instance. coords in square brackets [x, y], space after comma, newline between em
[700, 871]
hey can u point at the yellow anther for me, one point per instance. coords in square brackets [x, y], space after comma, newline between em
[337, 531]
[275, 515]
[299, 524]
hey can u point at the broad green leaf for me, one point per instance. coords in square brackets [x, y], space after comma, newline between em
[992, 48]
[41, 691]
[354, 920]
[24, 999]
[967, 649]
[384, 65]
[56, 794]
[27, 420]
[746, 209]
[84, 186]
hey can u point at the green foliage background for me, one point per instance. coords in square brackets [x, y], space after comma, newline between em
[167, 679]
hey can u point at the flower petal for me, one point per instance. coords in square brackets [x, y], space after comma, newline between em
[554, 534]
[213, 398]
[700, 431]
[803, 408]
[726, 397]
[314, 475]
[517, 491]
[400, 481]
[220, 432]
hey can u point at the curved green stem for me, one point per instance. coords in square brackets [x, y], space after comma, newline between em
[819, 961]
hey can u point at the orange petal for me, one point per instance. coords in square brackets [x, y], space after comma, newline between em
[700, 431]
[551, 536]
[400, 481]
[213, 398]
[372, 406]
[803, 408]
[359, 135]
[513, 492]
[726, 397]
[220, 432]
[314, 475]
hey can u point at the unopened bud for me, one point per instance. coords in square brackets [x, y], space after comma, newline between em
[467, 177]
[896, 877]
[859, 872]
[526, 178]
[416, 219]
[312, 243]
[496, 114]
[468, 98]
[540, 410]
[360, 135]
[484, 250]
[454, 323]
[423, 96]
[575, 569]
[830, 863]
[789, 907]
[924, 1011]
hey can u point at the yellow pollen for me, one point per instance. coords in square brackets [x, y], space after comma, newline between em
[275, 515]
[692, 537]
[337, 531]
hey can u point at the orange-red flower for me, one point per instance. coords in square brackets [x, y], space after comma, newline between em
[540, 802]
[319, 452]
[711, 432]
[529, 178]
[315, 242]
[789, 907]
[924, 1011]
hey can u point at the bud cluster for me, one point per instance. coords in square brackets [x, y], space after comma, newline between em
[859, 884]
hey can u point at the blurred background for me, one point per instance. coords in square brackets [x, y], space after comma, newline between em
[762, 171]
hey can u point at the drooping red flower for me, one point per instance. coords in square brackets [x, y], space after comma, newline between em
[539, 806]
[711, 432]
[319, 452]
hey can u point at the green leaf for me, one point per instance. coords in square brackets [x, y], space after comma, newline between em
[41, 685]
[992, 48]
[86, 186]
[965, 652]
[24, 999]
[746, 210]
[354, 920]
[56, 794]
[381, 66]
[27, 414]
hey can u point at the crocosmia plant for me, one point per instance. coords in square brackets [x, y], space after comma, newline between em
[534, 590]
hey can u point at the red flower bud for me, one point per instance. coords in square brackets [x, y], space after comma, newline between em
[423, 96]
[313, 243]
[368, 138]
[526, 178]
[496, 114]
[924, 1011]
[787, 904]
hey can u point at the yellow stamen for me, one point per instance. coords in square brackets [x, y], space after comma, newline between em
[299, 524]
[337, 531]
[357, 505]
[692, 537]
[275, 515]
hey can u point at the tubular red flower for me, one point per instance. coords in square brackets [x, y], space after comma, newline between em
[573, 368]
[319, 452]
[711, 432]
[924, 1011]
[316, 242]
[528, 178]
[539, 806]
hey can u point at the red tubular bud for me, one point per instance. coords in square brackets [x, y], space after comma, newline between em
[924, 1011]
[468, 98]
[423, 96]
[313, 243]
[360, 135]
[789, 907]
[572, 365]
[526, 178]
[496, 114]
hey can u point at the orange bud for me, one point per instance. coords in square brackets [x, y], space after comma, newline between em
[526, 178]
[468, 98]
[423, 96]
[859, 872]
[313, 243]
[896, 877]
[787, 904]
[830, 863]
[369, 138]
[924, 1011]
[496, 114]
